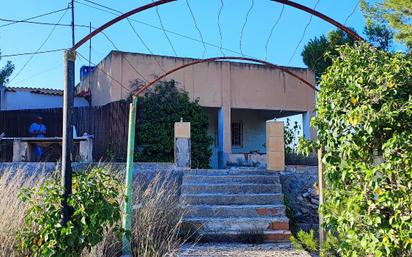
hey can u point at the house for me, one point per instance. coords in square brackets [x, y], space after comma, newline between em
[23, 98]
[238, 97]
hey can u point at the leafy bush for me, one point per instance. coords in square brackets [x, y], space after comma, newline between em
[290, 135]
[306, 241]
[364, 123]
[95, 209]
[158, 111]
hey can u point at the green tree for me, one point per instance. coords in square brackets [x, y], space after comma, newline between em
[318, 53]
[5, 72]
[395, 13]
[364, 123]
[158, 111]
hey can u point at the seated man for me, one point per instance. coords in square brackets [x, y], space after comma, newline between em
[38, 129]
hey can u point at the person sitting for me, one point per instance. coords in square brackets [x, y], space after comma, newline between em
[38, 129]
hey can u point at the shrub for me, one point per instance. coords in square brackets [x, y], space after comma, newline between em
[95, 208]
[158, 111]
[306, 241]
[364, 123]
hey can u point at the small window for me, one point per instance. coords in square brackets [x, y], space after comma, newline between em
[237, 134]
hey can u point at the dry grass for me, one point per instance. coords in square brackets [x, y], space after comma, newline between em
[12, 210]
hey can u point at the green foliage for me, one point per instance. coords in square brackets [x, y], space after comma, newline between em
[5, 72]
[158, 111]
[305, 241]
[290, 136]
[364, 123]
[395, 14]
[318, 53]
[95, 209]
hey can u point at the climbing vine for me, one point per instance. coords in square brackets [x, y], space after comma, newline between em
[364, 123]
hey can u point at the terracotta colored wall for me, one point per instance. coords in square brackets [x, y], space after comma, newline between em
[235, 85]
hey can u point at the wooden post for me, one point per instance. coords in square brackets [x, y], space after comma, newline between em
[322, 232]
[67, 144]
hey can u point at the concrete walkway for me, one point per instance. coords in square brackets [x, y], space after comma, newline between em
[240, 250]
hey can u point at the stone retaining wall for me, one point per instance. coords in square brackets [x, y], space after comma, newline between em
[302, 200]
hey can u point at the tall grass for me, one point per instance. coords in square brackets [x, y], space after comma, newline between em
[12, 210]
[156, 225]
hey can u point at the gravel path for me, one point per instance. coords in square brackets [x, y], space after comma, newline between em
[240, 250]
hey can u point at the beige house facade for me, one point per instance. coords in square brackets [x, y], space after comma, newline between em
[239, 97]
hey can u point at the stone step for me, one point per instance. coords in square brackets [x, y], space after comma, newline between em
[235, 211]
[232, 199]
[226, 172]
[231, 188]
[278, 236]
[231, 179]
[239, 225]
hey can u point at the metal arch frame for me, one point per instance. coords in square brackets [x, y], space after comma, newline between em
[162, 2]
[268, 64]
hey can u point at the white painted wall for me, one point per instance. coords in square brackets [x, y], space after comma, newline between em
[27, 100]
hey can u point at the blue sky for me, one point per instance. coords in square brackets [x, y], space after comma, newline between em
[46, 70]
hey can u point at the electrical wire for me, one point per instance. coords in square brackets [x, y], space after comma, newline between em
[32, 53]
[158, 28]
[353, 11]
[11, 22]
[271, 31]
[197, 28]
[303, 34]
[244, 25]
[220, 28]
[38, 49]
[104, 72]
[164, 31]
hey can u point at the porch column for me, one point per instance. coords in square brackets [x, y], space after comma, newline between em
[224, 135]
[275, 145]
[182, 141]
[308, 132]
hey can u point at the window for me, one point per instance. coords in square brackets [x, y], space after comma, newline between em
[237, 134]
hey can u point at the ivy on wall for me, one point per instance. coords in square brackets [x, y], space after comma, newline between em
[364, 123]
[159, 109]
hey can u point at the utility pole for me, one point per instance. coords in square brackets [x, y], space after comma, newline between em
[68, 100]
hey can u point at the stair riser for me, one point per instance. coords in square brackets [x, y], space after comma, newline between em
[229, 172]
[232, 199]
[231, 179]
[240, 226]
[232, 188]
[235, 212]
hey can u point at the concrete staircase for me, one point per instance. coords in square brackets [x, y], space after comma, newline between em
[229, 203]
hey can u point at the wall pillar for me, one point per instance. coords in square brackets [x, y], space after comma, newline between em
[275, 146]
[182, 145]
[86, 149]
[224, 136]
[21, 151]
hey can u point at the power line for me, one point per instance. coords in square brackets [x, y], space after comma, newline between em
[271, 31]
[244, 25]
[11, 22]
[33, 53]
[353, 11]
[44, 42]
[158, 28]
[303, 34]
[197, 28]
[219, 27]
[163, 28]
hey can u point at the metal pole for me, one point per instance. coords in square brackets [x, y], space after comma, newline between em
[322, 232]
[127, 215]
[69, 59]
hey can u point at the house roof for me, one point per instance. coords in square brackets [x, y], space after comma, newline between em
[36, 90]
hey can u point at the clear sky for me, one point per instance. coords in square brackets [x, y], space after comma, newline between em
[46, 70]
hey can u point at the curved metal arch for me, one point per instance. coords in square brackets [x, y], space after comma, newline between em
[162, 2]
[268, 64]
